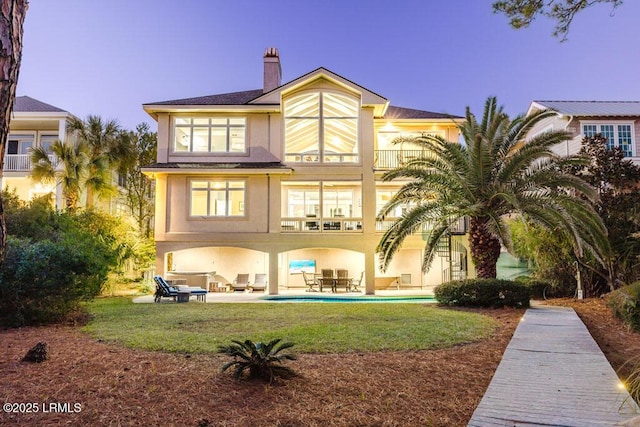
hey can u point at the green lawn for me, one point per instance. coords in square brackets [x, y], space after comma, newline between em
[313, 327]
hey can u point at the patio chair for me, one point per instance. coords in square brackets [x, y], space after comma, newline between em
[259, 283]
[163, 289]
[342, 280]
[327, 279]
[355, 284]
[310, 281]
[240, 283]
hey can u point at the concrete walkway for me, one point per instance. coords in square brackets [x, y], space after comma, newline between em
[553, 374]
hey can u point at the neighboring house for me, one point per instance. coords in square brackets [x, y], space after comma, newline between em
[33, 124]
[37, 124]
[287, 178]
[618, 121]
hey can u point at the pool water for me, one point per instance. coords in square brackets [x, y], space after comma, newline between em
[349, 298]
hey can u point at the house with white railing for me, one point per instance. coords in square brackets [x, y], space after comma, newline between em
[33, 124]
[287, 178]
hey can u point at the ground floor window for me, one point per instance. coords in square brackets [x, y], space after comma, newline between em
[217, 198]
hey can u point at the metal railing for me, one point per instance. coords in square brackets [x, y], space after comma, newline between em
[460, 226]
[320, 225]
[390, 159]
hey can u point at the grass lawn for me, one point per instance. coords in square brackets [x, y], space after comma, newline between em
[313, 327]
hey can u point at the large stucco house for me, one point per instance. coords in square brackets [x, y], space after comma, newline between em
[618, 121]
[285, 178]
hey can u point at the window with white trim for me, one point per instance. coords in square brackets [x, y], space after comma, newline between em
[19, 143]
[217, 198]
[321, 127]
[618, 135]
[209, 134]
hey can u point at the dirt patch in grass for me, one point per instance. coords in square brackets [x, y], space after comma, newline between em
[118, 386]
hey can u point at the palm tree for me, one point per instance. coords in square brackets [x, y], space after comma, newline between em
[107, 149]
[68, 167]
[493, 177]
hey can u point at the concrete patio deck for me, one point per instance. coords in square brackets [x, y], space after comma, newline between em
[553, 374]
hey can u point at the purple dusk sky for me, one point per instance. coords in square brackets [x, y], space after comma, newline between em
[110, 57]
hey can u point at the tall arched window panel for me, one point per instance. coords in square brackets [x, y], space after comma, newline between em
[321, 127]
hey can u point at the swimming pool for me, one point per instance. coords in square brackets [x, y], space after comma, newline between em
[349, 298]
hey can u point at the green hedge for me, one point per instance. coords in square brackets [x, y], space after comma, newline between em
[44, 282]
[484, 293]
[625, 305]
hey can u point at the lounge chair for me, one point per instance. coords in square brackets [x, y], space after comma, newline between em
[259, 283]
[342, 280]
[240, 283]
[310, 281]
[327, 279]
[163, 289]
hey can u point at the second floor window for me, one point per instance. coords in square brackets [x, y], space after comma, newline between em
[321, 127]
[217, 198]
[618, 135]
[19, 144]
[209, 135]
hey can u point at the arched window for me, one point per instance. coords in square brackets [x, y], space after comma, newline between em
[321, 127]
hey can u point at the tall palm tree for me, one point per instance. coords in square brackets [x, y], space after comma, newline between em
[107, 149]
[493, 177]
[68, 167]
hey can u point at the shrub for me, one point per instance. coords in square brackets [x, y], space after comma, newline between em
[483, 293]
[263, 361]
[625, 305]
[45, 281]
[538, 288]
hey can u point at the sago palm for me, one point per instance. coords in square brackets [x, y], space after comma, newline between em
[494, 176]
[260, 360]
[68, 167]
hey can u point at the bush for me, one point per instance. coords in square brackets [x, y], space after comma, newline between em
[263, 361]
[44, 282]
[625, 305]
[539, 288]
[483, 293]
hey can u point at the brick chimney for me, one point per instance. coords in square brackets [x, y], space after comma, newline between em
[272, 69]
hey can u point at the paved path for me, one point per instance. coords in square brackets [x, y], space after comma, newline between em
[553, 374]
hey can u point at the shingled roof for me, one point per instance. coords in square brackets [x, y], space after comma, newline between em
[26, 104]
[232, 98]
[244, 97]
[409, 113]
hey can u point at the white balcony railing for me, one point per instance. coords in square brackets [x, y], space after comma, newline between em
[21, 162]
[321, 225]
[390, 159]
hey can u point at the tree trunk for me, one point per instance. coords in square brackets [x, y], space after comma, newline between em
[12, 13]
[485, 248]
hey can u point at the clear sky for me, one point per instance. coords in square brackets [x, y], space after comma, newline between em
[110, 57]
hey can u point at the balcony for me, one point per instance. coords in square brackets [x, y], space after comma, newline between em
[21, 162]
[320, 225]
[390, 159]
[460, 226]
